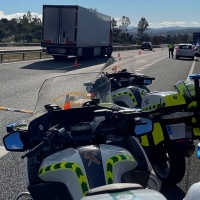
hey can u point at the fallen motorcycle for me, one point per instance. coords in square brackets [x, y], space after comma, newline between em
[73, 150]
[168, 136]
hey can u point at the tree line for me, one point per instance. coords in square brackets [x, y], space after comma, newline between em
[25, 29]
[29, 29]
[122, 36]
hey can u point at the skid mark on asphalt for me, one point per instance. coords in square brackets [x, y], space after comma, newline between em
[3, 151]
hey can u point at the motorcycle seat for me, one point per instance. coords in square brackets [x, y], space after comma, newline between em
[116, 187]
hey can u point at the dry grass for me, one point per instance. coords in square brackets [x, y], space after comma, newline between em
[25, 56]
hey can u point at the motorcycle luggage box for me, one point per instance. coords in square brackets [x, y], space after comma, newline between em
[168, 99]
[141, 194]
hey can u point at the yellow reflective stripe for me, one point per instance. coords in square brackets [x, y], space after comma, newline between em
[174, 100]
[194, 120]
[157, 133]
[110, 166]
[196, 131]
[144, 141]
[153, 107]
[143, 93]
[69, 166]
[126, 93]
[181, 88]
[192, 104]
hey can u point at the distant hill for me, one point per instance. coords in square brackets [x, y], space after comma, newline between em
[166, 30]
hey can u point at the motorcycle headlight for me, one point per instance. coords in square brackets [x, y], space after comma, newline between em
[177, 115]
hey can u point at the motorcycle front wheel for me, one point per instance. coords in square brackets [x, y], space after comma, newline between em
[169, 164]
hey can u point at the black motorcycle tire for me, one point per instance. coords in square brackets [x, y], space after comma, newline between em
[175, 171]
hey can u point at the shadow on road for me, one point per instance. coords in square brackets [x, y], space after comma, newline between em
[172, 192]
[186, 59]
[64, 65]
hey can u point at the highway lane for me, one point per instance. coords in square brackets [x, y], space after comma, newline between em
[20, 82]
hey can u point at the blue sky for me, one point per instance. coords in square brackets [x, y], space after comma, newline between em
[158, 13]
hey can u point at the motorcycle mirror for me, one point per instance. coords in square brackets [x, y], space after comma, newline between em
[90, 88]
[14, 141]
[147, 82]
[144, 128]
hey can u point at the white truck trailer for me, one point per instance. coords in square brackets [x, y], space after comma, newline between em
[71, 30]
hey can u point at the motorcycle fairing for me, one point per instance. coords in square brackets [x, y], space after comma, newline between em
[167, 99]
[68, 167]
[131, 96]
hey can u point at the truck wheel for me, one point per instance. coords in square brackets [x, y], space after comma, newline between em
[109, 51]
[103, 52]
[169, 165]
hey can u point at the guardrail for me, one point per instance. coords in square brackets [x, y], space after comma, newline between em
[17, 44]
[42, 52]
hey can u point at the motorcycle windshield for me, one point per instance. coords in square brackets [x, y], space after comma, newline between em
[69, 91]
[116, 64]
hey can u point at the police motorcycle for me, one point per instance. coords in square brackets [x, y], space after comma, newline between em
[74, 151]
[168, 136]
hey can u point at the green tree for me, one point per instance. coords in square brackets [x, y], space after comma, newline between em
[142, 27]
[113, 23]
[124, 24]
[2, 33]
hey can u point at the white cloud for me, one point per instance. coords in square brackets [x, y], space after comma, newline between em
[118, 20]
[152, 24]
[196, 23]
[18, 15]
[172, 23]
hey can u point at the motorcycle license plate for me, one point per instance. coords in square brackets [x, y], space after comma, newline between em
[178, 131]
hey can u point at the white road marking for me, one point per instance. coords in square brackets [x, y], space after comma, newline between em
[192, 69]
[137, 70]
[142, 68]
[67, 67]
[147, 65]
[3, 151]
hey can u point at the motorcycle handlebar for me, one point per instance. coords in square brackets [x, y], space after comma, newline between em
[122, 114]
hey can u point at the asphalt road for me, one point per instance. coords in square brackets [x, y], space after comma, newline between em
[19, 85]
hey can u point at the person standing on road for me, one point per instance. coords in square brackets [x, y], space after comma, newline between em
[171, 49]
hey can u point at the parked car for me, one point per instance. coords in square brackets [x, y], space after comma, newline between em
[185, 50]
[146, 45]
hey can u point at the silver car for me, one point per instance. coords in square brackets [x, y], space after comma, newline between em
[185, 50]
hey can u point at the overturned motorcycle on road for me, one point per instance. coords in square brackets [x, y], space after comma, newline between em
[168, 137]
[76, 151]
